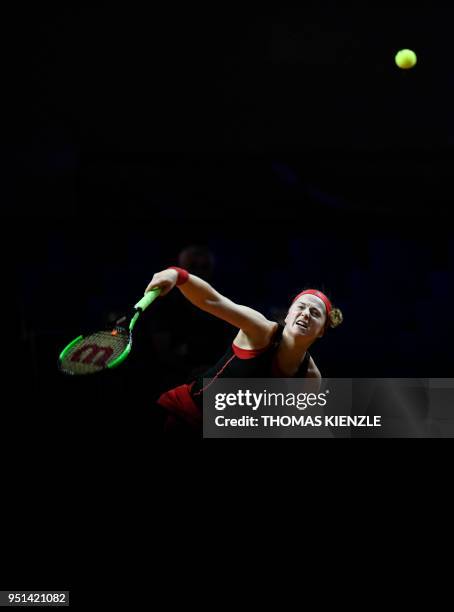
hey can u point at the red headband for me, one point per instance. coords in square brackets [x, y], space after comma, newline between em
[318, 294]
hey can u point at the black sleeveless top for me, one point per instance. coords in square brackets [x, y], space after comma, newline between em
[235, 364]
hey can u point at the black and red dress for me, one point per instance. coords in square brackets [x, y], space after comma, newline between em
[184, 403]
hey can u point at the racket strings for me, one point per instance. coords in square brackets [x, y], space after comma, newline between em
[94, 352]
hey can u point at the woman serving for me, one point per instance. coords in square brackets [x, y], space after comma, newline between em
[261, 348]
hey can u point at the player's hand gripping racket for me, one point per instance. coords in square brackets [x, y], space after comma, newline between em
[106, 349]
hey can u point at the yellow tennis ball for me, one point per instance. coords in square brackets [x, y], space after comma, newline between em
[405, 58]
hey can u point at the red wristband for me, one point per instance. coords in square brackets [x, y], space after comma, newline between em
[183, 275]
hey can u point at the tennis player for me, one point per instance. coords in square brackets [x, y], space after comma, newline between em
[261, 348]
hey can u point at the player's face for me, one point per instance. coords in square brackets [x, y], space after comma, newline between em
[306, 317]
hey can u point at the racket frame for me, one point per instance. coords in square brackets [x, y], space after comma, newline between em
[139, 308]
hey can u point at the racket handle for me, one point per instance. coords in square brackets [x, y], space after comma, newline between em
[147, 299]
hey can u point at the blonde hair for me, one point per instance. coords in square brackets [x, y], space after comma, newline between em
[335, 317]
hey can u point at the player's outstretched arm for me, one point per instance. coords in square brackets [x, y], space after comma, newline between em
[204, 296]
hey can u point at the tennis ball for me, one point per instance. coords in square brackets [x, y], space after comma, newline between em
[405, 58]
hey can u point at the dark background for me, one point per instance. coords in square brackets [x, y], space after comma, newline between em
[287, 142]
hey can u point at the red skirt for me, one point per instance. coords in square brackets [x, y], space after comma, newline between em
[179, 403]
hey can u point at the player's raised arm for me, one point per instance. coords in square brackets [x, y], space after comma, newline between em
[204, 296]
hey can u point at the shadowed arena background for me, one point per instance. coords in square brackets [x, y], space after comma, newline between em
[287, 143]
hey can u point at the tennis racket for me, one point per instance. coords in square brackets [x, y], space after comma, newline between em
[104, 350]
